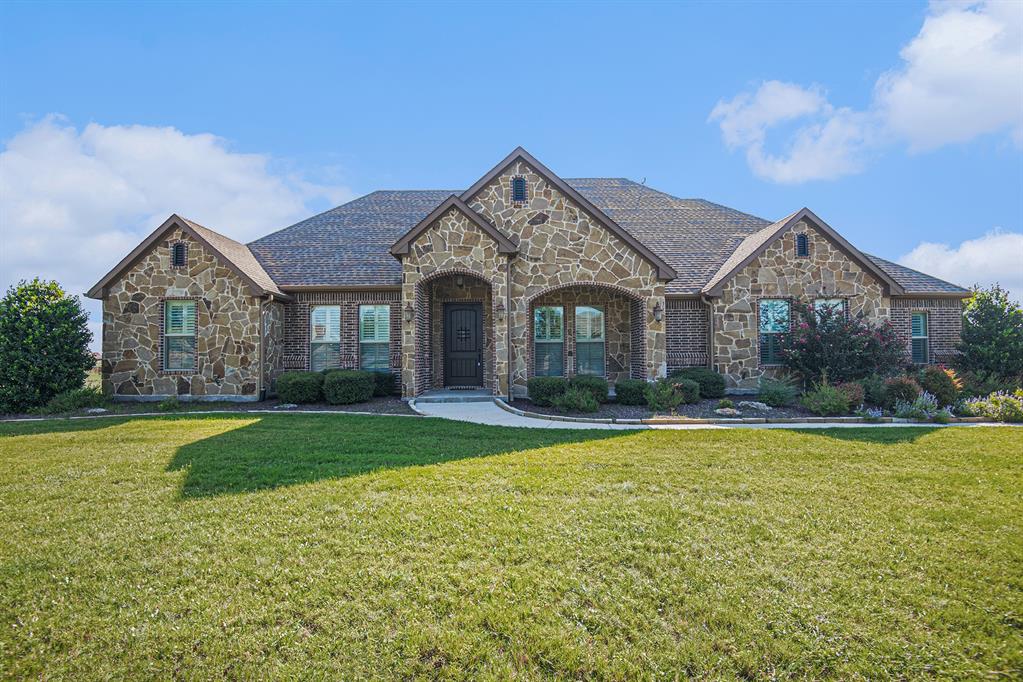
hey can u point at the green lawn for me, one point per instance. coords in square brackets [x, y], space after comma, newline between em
[324, 546]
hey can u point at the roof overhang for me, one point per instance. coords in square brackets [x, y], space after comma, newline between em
[404, 245]
[719, 281]
[664, 271]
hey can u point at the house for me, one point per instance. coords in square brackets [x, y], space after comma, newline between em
[524, 273]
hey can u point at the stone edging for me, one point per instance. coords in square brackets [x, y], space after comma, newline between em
[201, 412]
[740, 420]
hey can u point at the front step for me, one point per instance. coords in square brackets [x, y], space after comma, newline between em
[447, 395]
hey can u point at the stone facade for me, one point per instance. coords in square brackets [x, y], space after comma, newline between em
[273, 344]
[778, 273]
[227, 328]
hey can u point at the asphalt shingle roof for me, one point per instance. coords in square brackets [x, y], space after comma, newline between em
[915, 282]
[349, 245]
[237, 253]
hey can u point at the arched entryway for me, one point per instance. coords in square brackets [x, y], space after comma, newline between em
[587, 328]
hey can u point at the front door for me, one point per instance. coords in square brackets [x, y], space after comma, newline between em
[463, 344]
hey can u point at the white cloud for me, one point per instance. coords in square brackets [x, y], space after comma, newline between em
[74, 202]
[995, 257]
[961, 77]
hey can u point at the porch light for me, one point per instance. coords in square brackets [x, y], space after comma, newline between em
[409, 312]
[459, 281]
[499, 311]
[658, 312]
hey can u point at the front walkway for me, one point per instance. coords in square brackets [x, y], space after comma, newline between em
[490, 413]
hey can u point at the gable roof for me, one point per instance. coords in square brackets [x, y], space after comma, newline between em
[234, 255]
[755, 244]
[403, 245]
[664, 270]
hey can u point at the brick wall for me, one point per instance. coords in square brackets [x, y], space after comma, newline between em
[687, 324]
[944, 324]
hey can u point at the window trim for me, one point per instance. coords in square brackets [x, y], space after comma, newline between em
[760, 333]
[377, 342]
[312, 343]
[925, 337]
[548, 341]
[602, 341]
[164, 335]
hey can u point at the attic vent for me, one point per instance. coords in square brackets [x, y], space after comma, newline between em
[518, 189]
[802, 246]
[179, 255]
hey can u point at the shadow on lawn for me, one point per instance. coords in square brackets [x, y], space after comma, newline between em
[892, 435]
[290, 449]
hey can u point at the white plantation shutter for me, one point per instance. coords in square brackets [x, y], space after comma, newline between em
[180, 318]
[325, 324]
[375, 323]
[589, 324]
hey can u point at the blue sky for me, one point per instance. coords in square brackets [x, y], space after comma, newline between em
[248, 116]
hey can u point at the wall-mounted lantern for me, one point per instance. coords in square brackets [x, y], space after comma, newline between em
[499, 311]
[409, 312]
[658, 312]
[459, 281]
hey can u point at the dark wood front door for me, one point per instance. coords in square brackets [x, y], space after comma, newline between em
[463, 344]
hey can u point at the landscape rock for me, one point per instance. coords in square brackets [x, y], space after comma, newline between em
[727, 412]
[755, 405]
[96, 410]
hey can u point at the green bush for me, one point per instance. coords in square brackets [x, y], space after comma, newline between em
[981, 386]
[543, 390]
[826, 400]
[712, 384]
[576, 399]
[1001, 406]
[941, 383]
[664, 395]
[874, 390]
[74, 400]
[991, 345]
[853, 391]
[922, 408]
[726, 404]
[300, 387]
[169, 404]
[383, 384]
[44, 345]
[903, 389]
[777, 392]
[630, 392]
[595, 385]
[348, 386]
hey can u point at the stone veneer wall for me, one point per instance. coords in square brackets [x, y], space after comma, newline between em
[688, 322]
[779, 273]
[446, 290]
[944, 324]
[227, 327]
[617, 336]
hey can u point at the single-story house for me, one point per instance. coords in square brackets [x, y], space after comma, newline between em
[522, 274]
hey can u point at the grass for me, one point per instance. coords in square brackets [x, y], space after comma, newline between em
[327, 546]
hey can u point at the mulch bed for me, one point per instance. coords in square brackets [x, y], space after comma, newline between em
[606, 411]
[701, 410]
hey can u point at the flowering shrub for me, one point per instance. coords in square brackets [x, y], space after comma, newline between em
[1000, 406]
[902, 389]
[940, 382]
[826, 342]
[853, 392]
[924, 407]
[870, 414]
[826, 401]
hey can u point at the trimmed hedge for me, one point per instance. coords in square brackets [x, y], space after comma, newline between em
[384, 384]
[543, 390]
[630, 392]
[347, 386]
[712, 384]
[596, 386]
[300, 387]
[576, 399]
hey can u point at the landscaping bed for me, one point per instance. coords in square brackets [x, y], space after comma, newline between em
[703, 409]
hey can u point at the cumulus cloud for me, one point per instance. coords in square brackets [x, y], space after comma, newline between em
[995, 257]
[74, 202]
[960, 77]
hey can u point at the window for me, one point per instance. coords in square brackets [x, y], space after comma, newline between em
[836, 305]
[802, 246]
[518, 189]
[589, 340]
[179, 255]
[774, 321]
[178, 334]
[324, 337]
[918, 334]
[549, 341]
[375, 337]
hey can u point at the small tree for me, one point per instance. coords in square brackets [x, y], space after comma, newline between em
[44, 344]
[992, 336]
[824, 342]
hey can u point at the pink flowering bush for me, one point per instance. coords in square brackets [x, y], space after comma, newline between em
[827, 342]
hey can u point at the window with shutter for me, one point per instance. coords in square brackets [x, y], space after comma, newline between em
[589, 340]
[548, 341]
[374, 337]
[178, 334]
[835, 305]
[919, 340]
[518, 189]
[773, 322]
[324, 337]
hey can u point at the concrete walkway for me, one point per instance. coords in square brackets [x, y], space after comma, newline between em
[489, 413]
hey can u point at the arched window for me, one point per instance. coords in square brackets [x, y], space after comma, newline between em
[802, 246]
[179, 255]
[518, 189]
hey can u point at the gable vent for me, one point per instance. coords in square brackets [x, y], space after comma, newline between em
[518, 189]
[179, 255]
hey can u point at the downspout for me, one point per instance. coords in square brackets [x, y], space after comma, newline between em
[710, 331]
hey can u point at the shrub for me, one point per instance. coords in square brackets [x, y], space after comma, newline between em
[75, 399]
[981, 386]
[630, 392]
[664, 395]
[991, 343]
[1000, 406]
[903, 389]
[169, 404]
[875, 391]
[44, 344]
[942, 383]
[597, 386]
[300, 387]
[725, 403]
[826, 400]
[777, 392]
[870, 414]
[943, 416]
[576, 399]
[853, 392]
[712, 384]
[347, 386]
[383, 384]
[543, 390]
[827, 342]
[922, 408]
